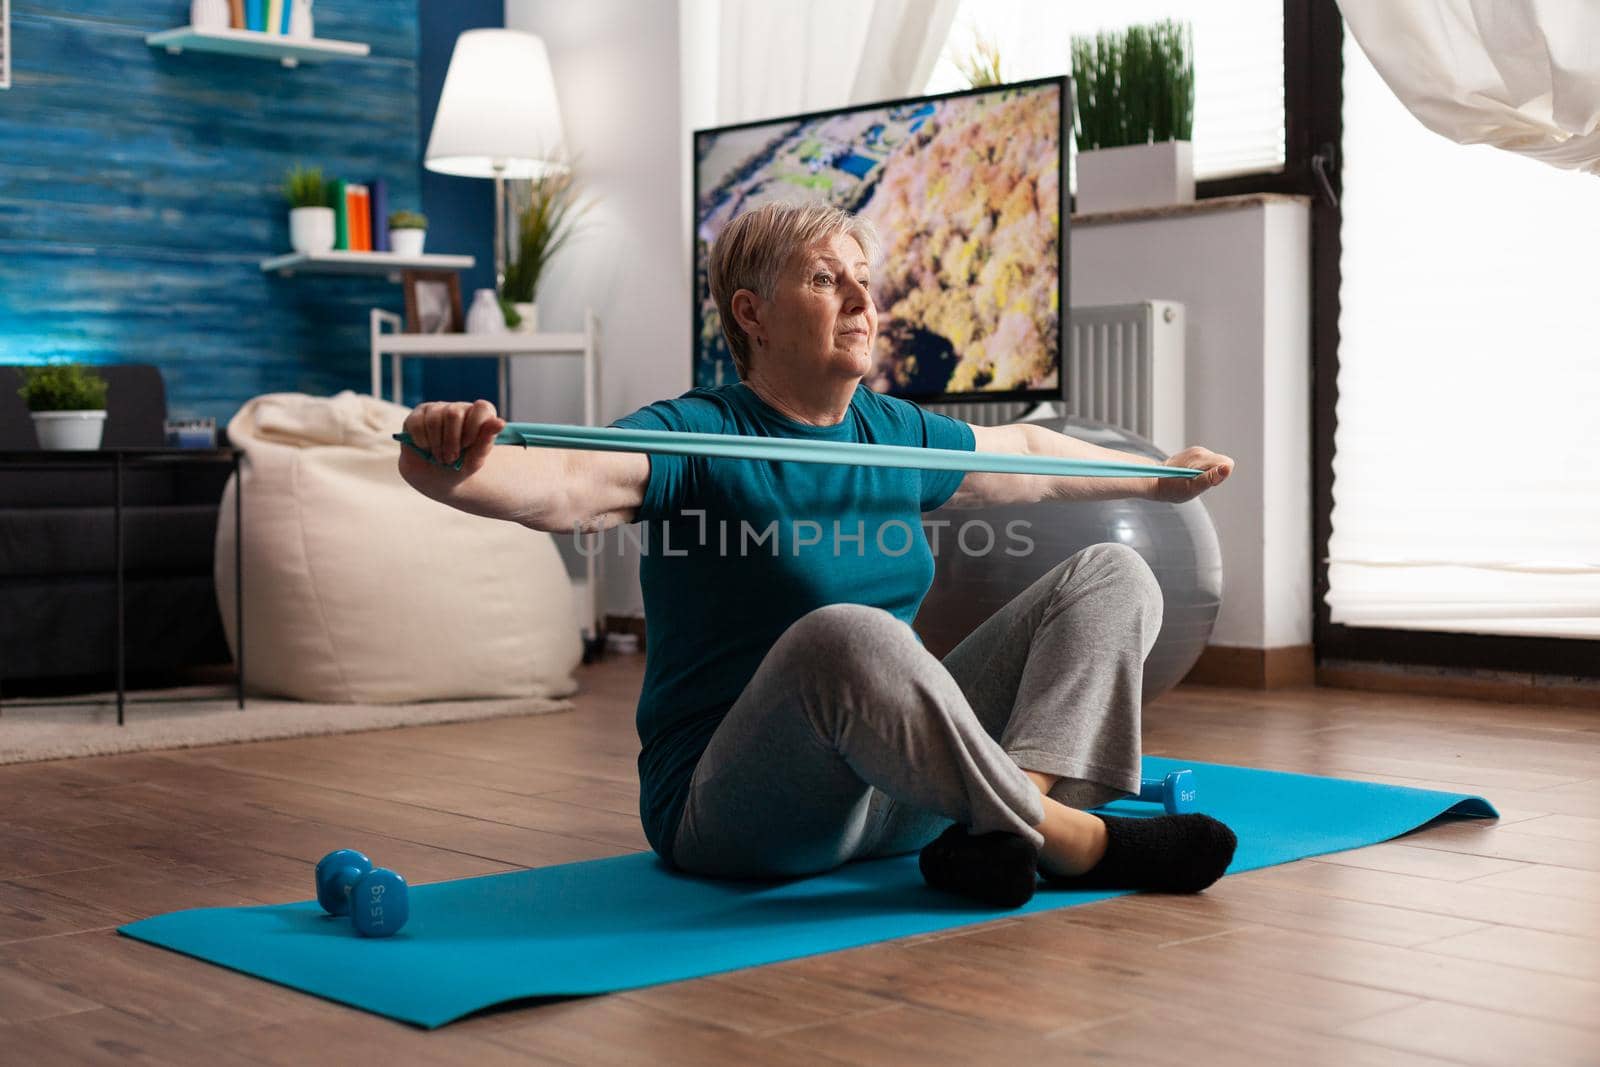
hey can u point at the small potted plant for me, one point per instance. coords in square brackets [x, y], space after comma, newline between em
[546, 225]
[310, 217]
[68, 404]
[1133, 98]
[407, 232]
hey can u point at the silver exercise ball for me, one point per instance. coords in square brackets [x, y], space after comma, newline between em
[1178, 541]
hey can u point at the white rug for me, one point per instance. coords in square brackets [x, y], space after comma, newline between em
[81, 726]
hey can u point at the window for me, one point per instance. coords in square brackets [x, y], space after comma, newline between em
[1466, 469]
[1239, 105]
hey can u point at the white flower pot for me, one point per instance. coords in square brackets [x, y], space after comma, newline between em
[311, 229]
[69, 430]
[1135, 176]
[407, 242]
[530, 318]
[485, 316]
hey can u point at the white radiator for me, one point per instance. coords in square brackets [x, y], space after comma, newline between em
[1124, 365]
[993, 414]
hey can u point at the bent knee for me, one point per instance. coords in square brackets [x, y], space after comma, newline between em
[1123, 565]
[854, 644]
[1116, 557]
[846, 614]
[849, 628]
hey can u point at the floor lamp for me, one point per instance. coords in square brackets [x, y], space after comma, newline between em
[497, 118]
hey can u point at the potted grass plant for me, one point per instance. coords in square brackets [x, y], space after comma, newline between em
[1133, 116]
[408, 231]
[68, 405]
[980, 64]
[543, 228]
[310, 217]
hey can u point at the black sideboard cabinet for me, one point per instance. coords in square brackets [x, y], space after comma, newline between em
[58, 547]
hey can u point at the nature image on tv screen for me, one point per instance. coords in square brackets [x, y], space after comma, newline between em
[964, 191]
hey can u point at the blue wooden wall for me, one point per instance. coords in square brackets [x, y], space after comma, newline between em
[460, 210]
[139, 192]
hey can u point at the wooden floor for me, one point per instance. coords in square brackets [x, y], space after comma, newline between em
[1463, 943]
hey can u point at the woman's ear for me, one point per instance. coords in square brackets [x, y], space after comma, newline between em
[746, 308]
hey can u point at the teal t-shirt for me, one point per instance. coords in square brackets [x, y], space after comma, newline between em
[734, 551]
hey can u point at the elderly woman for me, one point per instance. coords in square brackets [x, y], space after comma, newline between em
[791, 719]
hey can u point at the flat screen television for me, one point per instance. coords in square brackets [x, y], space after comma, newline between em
[967, 191]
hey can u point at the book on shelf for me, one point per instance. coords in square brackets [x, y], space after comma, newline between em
[341, 216]
[380, 214]
[359, 209]
[274, 20]
[236, 15]
[352, 210]
[255, 15]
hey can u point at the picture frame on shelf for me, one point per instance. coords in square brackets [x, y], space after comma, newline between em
[433, 301]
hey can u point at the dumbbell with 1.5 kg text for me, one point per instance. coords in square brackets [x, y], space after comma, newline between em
[1176, 792]
[375, 898]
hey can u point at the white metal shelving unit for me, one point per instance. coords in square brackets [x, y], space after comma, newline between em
[253, 43]
[387, 340]
[340, 262]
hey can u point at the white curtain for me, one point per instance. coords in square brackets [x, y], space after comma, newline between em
[1467, 451]
[1523, 75]
[783, 57]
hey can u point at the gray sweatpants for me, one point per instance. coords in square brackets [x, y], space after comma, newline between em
[853, 741]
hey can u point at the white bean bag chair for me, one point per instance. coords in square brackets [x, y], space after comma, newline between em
[359, 589]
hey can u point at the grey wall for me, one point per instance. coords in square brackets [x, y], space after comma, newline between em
[617, 78]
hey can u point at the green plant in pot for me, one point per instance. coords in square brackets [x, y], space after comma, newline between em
[310, 217]
[543, 229]
[68, 404]
[1133, 116]
[408, 231]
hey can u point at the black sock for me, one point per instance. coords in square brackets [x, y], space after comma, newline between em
[1168, 853]
[998, 869]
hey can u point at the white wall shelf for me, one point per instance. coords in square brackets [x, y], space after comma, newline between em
[388, 341]
[481, 344]
[389, 263]
[287, 50]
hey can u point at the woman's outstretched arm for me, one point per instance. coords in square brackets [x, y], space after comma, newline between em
[982, 488]
[551, 489]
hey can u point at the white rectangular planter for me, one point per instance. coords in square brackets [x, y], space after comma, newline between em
[1135, 176]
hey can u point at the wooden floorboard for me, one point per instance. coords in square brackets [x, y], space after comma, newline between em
[1465, 942]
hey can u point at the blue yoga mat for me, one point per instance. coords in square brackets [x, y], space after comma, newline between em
[621, 923]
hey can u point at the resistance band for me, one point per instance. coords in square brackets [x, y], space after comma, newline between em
[735, 446]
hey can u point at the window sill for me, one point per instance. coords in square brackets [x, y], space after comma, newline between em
[1198, 207]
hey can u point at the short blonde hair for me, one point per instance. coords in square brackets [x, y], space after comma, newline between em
[754, 247]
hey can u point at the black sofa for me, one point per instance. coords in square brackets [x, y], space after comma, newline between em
[57, 552]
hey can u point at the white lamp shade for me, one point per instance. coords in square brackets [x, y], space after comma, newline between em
[497, 114]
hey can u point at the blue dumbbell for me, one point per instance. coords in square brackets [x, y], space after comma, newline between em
[375, 898]
[1176, 792]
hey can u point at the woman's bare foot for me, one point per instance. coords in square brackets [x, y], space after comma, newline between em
[1074, 840]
